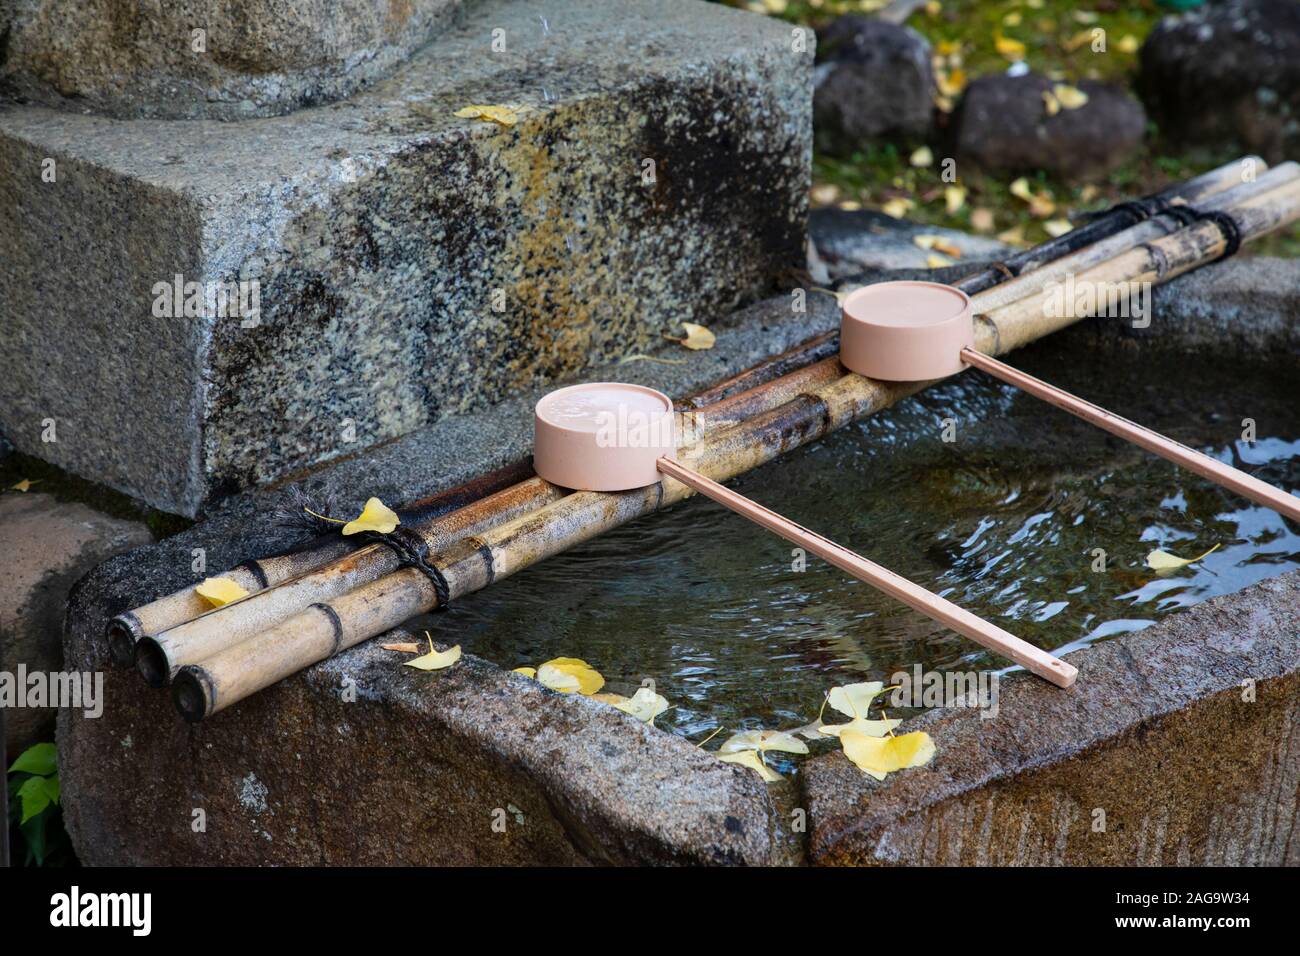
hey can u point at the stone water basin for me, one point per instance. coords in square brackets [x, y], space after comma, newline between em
[1181, 732]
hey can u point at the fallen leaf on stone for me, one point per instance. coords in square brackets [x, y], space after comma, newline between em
[1058, 227]
[1070, 97]
[933, 261]
[850, 205]
[404, 648]
[1009, 48]
[435, 660]
[897, 208]
[1164, 561]
[1051, 103]
[219, 591]
[570, 675]
[763, 741]
[24, 485]
[751, 759]
[697, 337]
[375, 516]
[1015, 236]
[526, 671]
[645, 705]
[872, 728]
[502, 115]
[922, 157]
[879, 756]
[954, 197]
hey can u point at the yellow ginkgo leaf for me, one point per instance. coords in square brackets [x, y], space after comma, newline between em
[954, 197]
[219, 591]
[1051, 103]
[1020, 189]
[526, 671]
[375, 516]
[1070, 97]
[504, 115]
[1078, 40]
[25, 484]
[1012, 19]
[934, 261]
[872, 728]
[1057, 227]
[897, 208]
[878, 756]
[570, 674]
[1164, 561]
[1015, 236]
[854, 700]
[763, 741]
[922, 157]
[1009, 48]
[435, 660]
[751, 759]
[645, 705]
[1128, 43]
[697, 337]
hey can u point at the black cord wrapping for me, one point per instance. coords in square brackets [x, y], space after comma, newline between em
[1231, 231]
[413, 551]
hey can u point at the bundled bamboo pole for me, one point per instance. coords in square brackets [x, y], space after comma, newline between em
[259, 574]
[806, 365]
[475, 562]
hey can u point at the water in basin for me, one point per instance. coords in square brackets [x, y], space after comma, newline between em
[1004, 521]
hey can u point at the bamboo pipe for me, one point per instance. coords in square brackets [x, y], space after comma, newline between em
[1034, 659]
[323, 630]
[260, 574]
[1161, 225]
[726, 403]
[1231, 478]
[1116, 220]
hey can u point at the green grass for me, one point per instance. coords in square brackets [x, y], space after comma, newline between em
[880, 173]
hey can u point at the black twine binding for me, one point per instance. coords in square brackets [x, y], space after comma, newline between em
[412, 550]
[1230, 229]
[1136, 210]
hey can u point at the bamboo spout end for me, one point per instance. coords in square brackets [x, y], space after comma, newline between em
[151, 661]
[1060, 673]
[193, 693]
[122, 634]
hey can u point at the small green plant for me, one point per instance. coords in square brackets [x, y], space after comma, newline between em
[35, 817]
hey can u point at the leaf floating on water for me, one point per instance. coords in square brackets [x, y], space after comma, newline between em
[502, 115]
[697, 338]
[751, 759]
[1164, 561]
[570, 675]
[879, 756]
[219, 591]
[762, 741]
[375, 516]
[854, 700]
[435, 660]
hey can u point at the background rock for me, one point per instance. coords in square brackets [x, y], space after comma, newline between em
[1228, 73]
[259, 57]
[48, 544]
[874, 82]
[1001, 126]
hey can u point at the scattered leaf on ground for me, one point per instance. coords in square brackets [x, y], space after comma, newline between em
[1128, 43]
[1070, 97]
[981, 219]
[1057, 227]
[1009, 48]
[502, 115]
[922, 157]
[897, 208]
[954, 197]
[219, 591]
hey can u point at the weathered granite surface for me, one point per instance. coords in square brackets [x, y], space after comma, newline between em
[1155, 757]
[48, 545]
[385, 233]
[251, 58]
